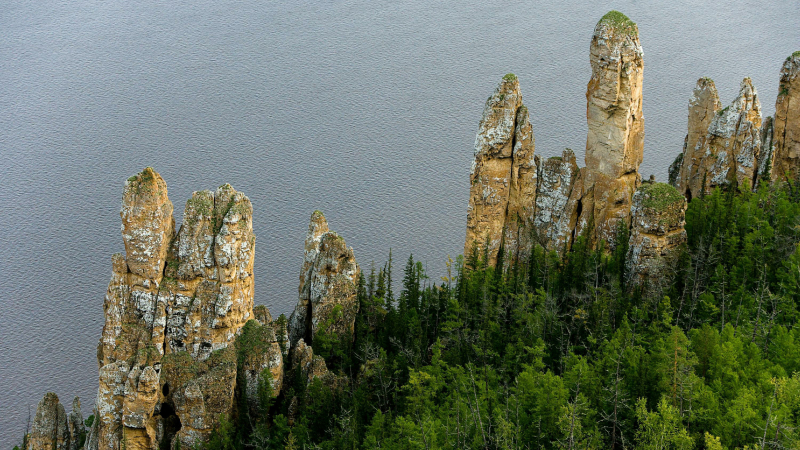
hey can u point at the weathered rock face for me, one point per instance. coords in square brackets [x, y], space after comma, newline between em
[517, 200]
[50, 429]
[786, 160]
[147, 224]
[328, 285]
[733, 144]
[554, 218]
[615, 141]
[503, 176]
[75, 424]
[520, 213]
[657, 234]
[614, 145]
[703, 107]
[172, 298]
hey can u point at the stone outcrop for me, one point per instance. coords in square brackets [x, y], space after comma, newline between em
[553, 221]
[328, 285]
[174, 306]
[703, 107]
[615, 141]
[503, 176]
[517, 200]
[729, 153]
[657, 234]
[614, 145]
[51, 426]
[147, 224]
[786, 136]
[733, 143]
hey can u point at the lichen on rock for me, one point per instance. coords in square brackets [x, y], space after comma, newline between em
[503, 177]
[184, 296]
[657, 234]
[328, 280]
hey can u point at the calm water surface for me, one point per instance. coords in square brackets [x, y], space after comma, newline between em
[365, 109]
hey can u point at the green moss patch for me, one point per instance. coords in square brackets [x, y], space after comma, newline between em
[660, 195]
[509, 77]
[620, 22]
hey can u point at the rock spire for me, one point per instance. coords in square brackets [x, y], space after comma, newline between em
[786, 136]
[174, 306]
[503, 176]
[615, 142]
[328, 285]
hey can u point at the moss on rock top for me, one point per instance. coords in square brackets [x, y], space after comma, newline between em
[660, 195]
[620, 22]
[509, 77]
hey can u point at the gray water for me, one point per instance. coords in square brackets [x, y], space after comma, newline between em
[365, 109]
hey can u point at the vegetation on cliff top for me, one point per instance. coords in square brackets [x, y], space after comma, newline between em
[660, 195]
[620, 22]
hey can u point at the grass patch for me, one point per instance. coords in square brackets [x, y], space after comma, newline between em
[509, 77]
[620, 22]
[660, 195]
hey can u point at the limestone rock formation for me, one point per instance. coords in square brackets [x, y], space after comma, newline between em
[75, 424]
[615, 141]
[786, 160]
[614, 145]
[503, 176]
[172, 298]
[553, 220]
[703, 107]
[50, 429]
[147, 224]
[517, 200]
[328, 281]
[657, 234]
[733, 143]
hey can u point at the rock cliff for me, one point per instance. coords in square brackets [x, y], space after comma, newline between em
[174, 306]
[657, 235]
[786, 136]
[328, 282]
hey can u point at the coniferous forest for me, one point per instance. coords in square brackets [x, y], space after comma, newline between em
[561, 353]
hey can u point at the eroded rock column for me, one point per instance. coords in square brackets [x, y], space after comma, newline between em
[503, 176]
[328, 285]
[703, 107]
[173, 309]
[615, 142]
[786, 136]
